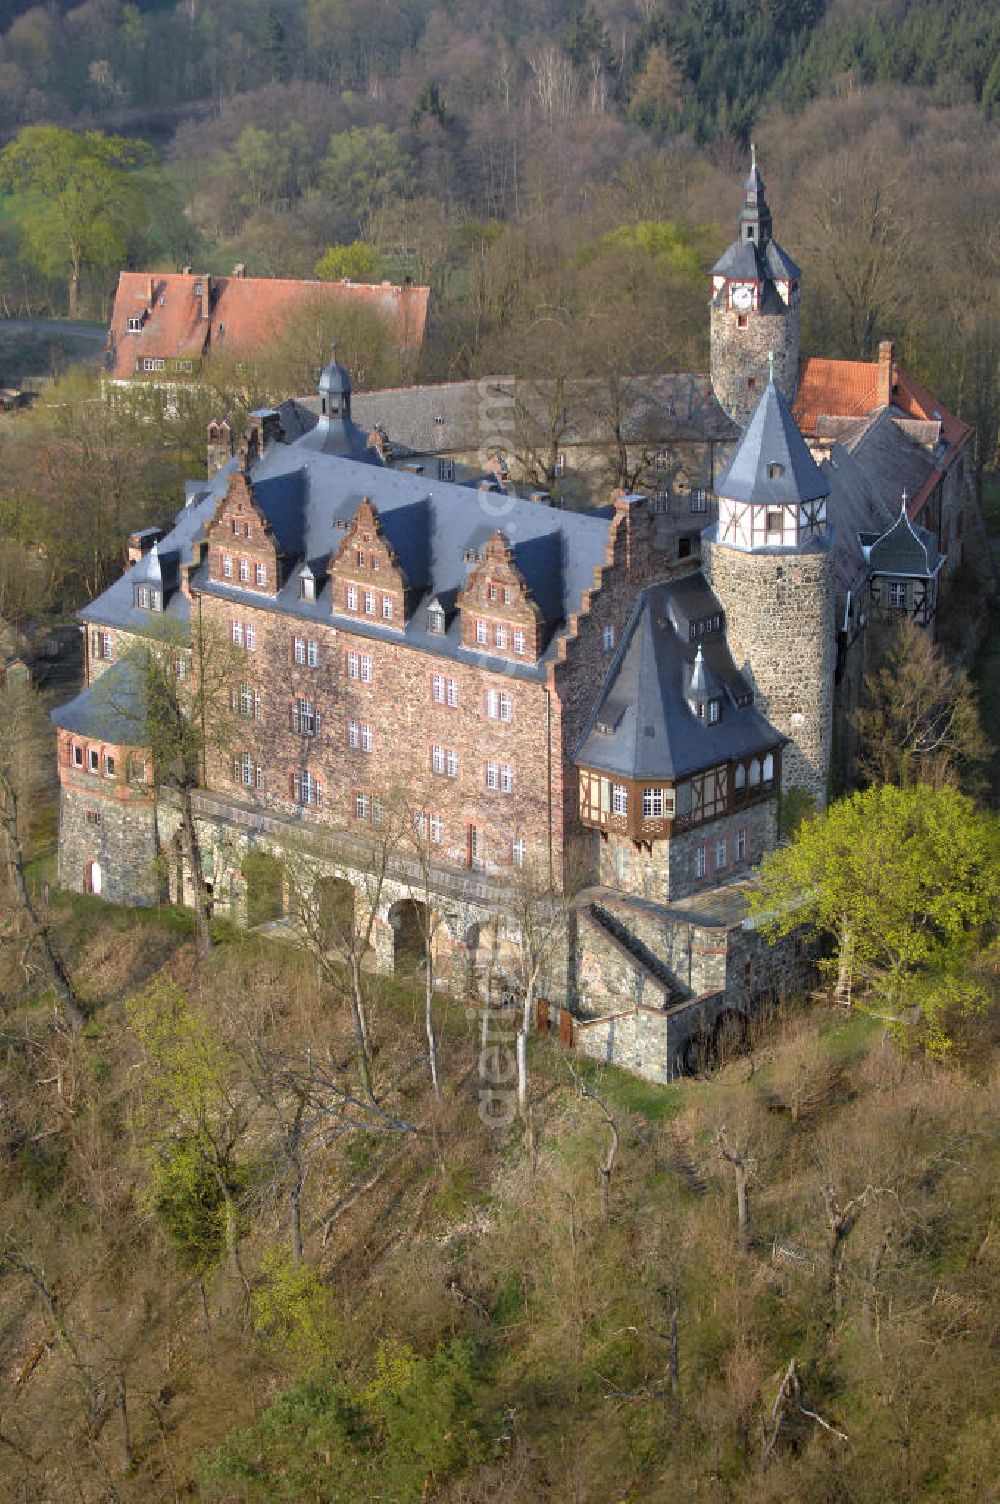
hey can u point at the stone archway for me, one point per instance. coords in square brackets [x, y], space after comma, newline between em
[265, 880]
[407, 917]
[334, 910]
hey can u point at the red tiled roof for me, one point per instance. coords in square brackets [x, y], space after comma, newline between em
[244, 313]
[850, 389]
[834, 388]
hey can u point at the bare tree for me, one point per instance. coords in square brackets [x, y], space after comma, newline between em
[744, 1169]
[24, 754]
[536, 912]
[430, 916]
[339, 934]
[841, 1221]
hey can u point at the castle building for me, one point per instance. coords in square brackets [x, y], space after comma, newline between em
[566, 704]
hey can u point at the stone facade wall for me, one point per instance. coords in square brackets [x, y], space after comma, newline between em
[740, 356]
[780, 627]
[666, 870]
[120, 834]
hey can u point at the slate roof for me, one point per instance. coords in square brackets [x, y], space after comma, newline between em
[436, 529]
[652, 732]
[904, 550]
[245, 313]
[112, 709]
[892, 460]
[771, 438]
[464, 416]
[745, 261]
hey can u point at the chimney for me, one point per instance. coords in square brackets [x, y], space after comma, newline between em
[240, 269]
[220, 446]
[265, 425]
[886, 381]
[206, 297]
[185, 271]
[151, 291]
[633, 524]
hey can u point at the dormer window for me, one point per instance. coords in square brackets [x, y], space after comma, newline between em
[714, 711]
[307, 587]
[775, 471]
[134, 325]
[435, 621]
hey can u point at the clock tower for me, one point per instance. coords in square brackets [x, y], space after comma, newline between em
[754, 310]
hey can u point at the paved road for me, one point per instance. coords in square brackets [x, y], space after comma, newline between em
[63, 328]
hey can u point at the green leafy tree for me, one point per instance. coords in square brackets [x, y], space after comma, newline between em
[358, 262]
[78, 204]
[197, 1115]
[902, 880]
[363, 168]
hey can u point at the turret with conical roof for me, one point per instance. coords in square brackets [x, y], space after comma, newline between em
[335, 433]
[768, 559]
[754, 309]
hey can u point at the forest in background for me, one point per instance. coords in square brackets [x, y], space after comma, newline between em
[561, 175]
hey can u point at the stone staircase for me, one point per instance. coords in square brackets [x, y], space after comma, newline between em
[640, 953]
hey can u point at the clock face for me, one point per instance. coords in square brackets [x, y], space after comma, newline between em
[743, 295]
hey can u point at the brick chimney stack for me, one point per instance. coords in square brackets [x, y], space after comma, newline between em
[151, 291]
[886, 372]
[206, 297]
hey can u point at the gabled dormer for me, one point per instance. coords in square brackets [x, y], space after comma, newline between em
[242, 549]
[499, 613]
[368, 580]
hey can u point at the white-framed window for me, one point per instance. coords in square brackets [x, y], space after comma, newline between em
[519, 641]
[700, 864]
[720, 853]
[507, 595]
[436, 623]
[142, 597]
[109, 765]
[369, 603]
[492, 775]
[244, 571]
[354, 735]
[352, 597]
[359, 667]
[93, 760]
[482, 633]
[102, 644]
[506, 778]
[619, 799]
[437, 688]
[477, 847]
[247, 771]
[518, 851]
[491, 591]
[437, 758]
[299, 649]
[741, 845]
[250, 637]
[305, 717]
[499, 705]
[375, 564]
[897, 595]
[367, 737]
[307, 587]
[227, 566]
[307, 788]
[312, 654]
[608, 639]
[699, 499]
[260, 575]
[652, 804]
[235, 524]
[237, 629]
[444, 691]
[246, 702]
[76, 755]
[435, 829]
[500, 635]
[451, 763]
[387, 608]
[248, 530]
[362, 806]
[134, 324]
[714, 711]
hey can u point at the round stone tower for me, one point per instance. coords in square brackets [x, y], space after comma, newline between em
[768, 559]
[754, 310]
